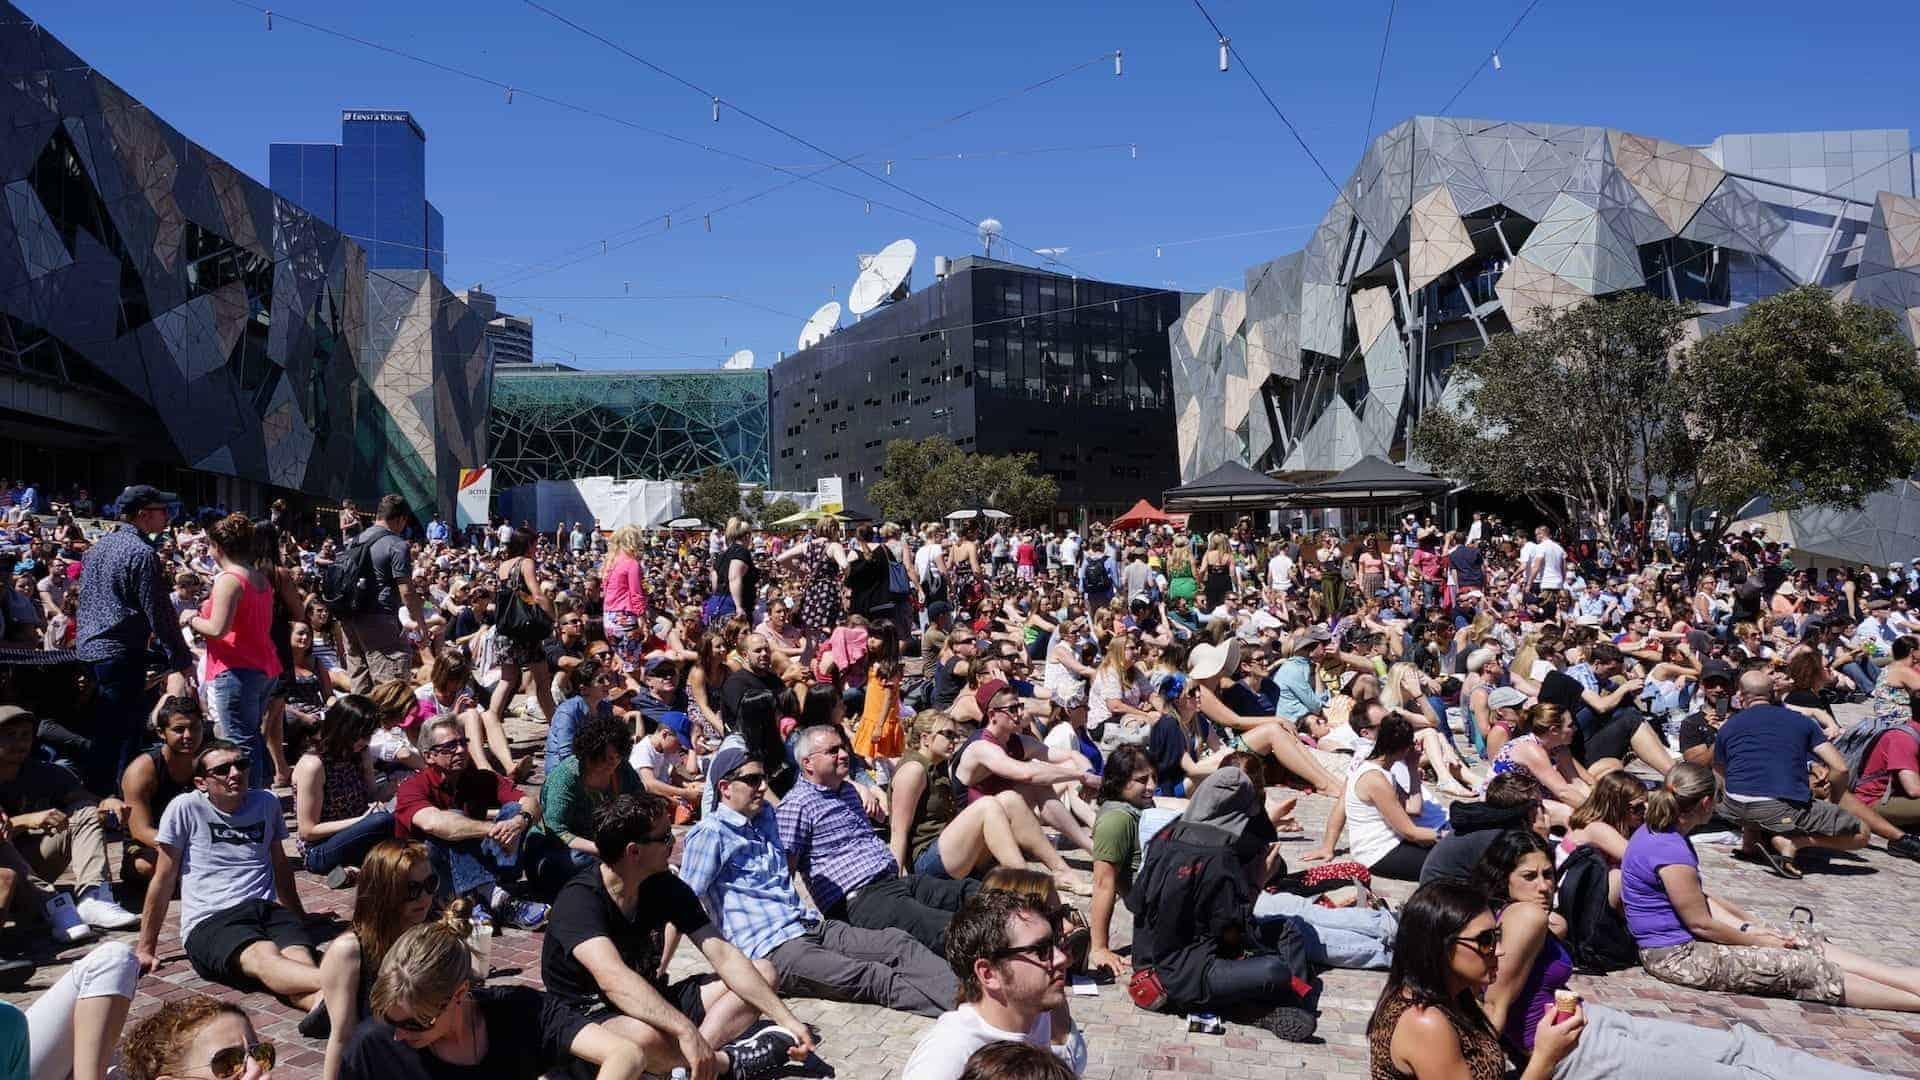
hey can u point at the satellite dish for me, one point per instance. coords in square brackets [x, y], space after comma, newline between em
[1051, 254]
[739, 361]
[823, 322]
[989, 231]
[883, 278]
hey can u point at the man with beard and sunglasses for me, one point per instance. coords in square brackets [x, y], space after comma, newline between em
[241, 920]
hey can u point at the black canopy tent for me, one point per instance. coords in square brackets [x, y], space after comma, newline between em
[1232, 486]
[1371, 482]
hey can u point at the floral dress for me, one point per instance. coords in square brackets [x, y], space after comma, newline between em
[820, 600]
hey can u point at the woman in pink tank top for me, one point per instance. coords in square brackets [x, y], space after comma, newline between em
[235, 622]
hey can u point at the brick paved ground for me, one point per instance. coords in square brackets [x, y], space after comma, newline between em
[1864, 904]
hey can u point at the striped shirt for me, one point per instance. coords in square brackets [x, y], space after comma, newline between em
[739, 871]
[831, 840]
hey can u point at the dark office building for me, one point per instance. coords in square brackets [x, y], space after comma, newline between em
[1000, 359]
[372, 186]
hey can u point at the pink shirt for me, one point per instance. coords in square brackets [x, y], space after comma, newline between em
[623, 590]
[247, 645]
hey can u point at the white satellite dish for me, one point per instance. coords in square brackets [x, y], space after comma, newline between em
[823, 322]
[989, 231]
[883, 278]
[739, 361]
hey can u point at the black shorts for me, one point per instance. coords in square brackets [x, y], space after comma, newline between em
[214, 946]
[1613, 738]
[560, 1020]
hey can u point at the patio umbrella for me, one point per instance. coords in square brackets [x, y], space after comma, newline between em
[804, 517]
[686, 523]
[968, 515]
[1142, 513]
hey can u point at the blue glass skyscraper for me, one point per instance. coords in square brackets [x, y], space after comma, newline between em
[372, 186]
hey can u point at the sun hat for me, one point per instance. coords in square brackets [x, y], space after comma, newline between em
[1207, 661]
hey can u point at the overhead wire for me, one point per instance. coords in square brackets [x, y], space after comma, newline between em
[1379, 73]
[1495, 51]
[749, 114]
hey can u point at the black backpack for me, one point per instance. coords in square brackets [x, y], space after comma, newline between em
[347, 586]
[1096, 579]
[1597, 936]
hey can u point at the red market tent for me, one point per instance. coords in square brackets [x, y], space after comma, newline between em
[1143, 513]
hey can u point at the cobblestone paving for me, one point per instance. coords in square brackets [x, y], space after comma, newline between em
[1865, 904]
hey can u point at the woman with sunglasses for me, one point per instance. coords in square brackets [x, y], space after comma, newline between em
[396, 891]
[1535, 965]
[196, 1038]
[1427, 1024]
[336, 816]
[430, 1022]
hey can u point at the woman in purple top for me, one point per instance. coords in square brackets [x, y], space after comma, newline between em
[1517, 874]
[1690, 939]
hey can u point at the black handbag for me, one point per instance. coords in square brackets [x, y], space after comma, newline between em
[521, 620]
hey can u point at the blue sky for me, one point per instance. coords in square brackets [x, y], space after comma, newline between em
[529, 187]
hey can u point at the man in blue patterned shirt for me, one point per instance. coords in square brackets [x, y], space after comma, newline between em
[123, 605]
[735, 864]
[849, 871]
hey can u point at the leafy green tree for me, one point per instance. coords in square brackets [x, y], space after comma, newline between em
[1572, 415]
[926, 479]
[754, 503]
[713, 496]
[778, 509]
[1804, 401]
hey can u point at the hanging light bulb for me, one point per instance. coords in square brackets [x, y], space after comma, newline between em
[603, 247]
[627, 287]
[269, 18]
[669, 221]
[1116, 62]
[1223, 52]
[889, 166]
[1156, 251]
[869, 206]
[709, 222]
[1496, 61]
[509, 95]
[1133, 150]
[716, 110]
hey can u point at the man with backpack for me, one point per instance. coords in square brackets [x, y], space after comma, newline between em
[1889, 777]
[366, 590]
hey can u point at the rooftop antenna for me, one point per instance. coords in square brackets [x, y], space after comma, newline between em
[989, 231]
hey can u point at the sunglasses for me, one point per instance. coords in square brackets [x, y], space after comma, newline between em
[232, 1061]
[427, 887]
[237, 765]
[1045, 952]
[448, 747]
[1484, 942]
[416, 1024]
[664, 838]
[755, 779]
[948, 733]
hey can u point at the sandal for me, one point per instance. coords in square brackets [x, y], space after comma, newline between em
[1773, 860]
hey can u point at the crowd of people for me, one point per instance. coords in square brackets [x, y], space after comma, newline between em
[859, 763]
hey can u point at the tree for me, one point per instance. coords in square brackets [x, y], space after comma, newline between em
[1571, 415]
[754, 503]
[778, 509]
[1804, 401]
[925, 480]
[713, 496]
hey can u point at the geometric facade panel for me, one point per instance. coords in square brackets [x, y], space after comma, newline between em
[1674, 179]
[548, 424]
[1893, 235]
[1439, 238]
[227, 327]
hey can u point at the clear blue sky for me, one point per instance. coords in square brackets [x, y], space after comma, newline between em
[525, 183]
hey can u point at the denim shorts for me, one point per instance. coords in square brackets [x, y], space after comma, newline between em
[929, 863]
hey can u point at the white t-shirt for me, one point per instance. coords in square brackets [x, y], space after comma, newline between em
[646, 757]
[1280, 571]
[924, 558]
[225, 859]
[1553, 564]
[943, 1051]
[1070, 552]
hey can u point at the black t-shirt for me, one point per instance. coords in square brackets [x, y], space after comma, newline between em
[555, 650]
[583, 911]
[749, 581]
[1561, 689]
[517, 1048]
[745, 687]
[1746, 601]
[1695, 731]
[946, 684]
[1454, 857]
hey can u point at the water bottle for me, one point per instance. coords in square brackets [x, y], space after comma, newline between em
[480, 951]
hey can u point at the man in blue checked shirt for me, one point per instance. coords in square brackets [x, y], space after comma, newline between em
[735, 864]
[849, 871]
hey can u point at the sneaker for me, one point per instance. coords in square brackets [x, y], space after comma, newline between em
[14, 973]
[761, 1054]
[66, 924]
[1906, 846]
[98, 909]
[480, 916]
[525, 915]
[316, 1024]
[1292, 1023]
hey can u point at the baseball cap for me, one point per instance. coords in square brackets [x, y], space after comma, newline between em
[1716, 671]
[937, 609]
[1505, 697]
[662, 666]
[141, 496]
[983, 697]
[1318, 633]
[10, 713]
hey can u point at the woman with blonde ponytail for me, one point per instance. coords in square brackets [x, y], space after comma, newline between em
[1690, 939]
[431, 1020]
